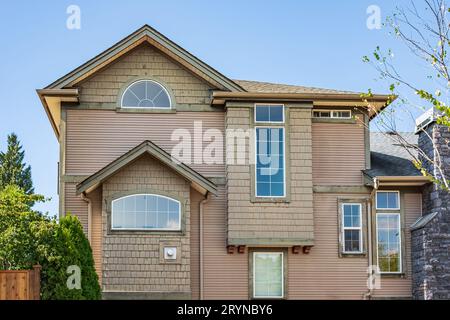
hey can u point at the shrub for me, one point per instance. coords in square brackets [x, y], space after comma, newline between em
[27, 237]
[67, 246]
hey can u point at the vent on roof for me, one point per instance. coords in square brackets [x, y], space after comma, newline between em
[425, 119]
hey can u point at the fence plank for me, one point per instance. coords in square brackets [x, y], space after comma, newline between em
[20, 284]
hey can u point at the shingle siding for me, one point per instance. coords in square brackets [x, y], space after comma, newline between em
[131, 261]
[144, 61]
[268, 223]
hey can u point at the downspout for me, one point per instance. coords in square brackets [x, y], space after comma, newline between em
[89, 203]
[369, 293]
[203, 202]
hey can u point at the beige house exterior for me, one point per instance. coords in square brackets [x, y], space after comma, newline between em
[227, 239]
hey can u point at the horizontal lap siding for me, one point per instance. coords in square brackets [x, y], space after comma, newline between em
[321, 274]
[75, 205]
[396, 286]
[196, 198]
[225, 275]
[96, 231]
[97, 137]
[338, 153]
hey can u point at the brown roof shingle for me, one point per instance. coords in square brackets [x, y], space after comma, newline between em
[267, 87]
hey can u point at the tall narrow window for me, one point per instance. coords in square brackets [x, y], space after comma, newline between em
[352, 227]
[268, 277]
[389, 242]
[270, 165]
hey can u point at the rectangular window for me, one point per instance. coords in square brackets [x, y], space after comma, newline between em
[268, 275]
[333, 114]
[270, 164]
[389, 242]
[388, 200]
[352, 227]
[269, 113]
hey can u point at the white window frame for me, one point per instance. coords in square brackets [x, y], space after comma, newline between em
[269, 104]
[352, 228]
[284, 161]
[331, 114]
[145, 80]
[399, 243]
[282, 274]
[388, 191]
[146, 229]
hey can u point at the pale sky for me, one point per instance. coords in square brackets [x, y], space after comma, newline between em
[311, 43]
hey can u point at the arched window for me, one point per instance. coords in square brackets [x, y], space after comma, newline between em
[146, 212]
[146, 94]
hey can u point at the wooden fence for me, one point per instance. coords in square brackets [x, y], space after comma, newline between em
[20, 284]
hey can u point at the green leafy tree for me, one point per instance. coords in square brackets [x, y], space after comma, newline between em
[28, 237]
[424, 28]
[13, 169]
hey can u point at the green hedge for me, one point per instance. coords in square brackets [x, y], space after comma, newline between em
[28, 237]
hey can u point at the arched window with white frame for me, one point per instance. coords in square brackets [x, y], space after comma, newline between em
[146, 212]
[146, 94]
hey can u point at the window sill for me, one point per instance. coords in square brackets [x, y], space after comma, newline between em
[144, 110]
[352, 255]
[269, 200]
[393, 275]
[331, 120]
[145, 232]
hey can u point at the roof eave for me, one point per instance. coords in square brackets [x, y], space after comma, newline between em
[138, 37]
[397, 181]
[62, 95]
[377, 102]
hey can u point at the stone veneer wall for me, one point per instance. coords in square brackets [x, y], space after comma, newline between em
[132, 261]
[431, 244]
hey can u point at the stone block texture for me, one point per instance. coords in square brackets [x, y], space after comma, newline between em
[431, 244]
[131, 260]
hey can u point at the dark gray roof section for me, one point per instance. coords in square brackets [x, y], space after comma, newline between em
[423, 221]
[389, 158]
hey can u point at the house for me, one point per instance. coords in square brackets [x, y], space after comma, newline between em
[190, 185]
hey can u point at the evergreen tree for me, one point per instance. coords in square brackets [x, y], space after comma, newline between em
[13, 170]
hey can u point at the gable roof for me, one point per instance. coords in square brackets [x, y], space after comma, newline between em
[388, 158]
[161, 42]
[199, 182]
[391, 164]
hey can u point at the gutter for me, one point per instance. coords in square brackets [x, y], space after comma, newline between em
[201, 209]
[369, 293]
[89, 203]
[305, 96]
[375, 103]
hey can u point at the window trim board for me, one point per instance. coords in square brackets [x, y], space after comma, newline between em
[388, 191]
[270, 104]
[284, 163]
[284, 252]
[401, 269]
[146, 229]
[184, 209]
[360, 228]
